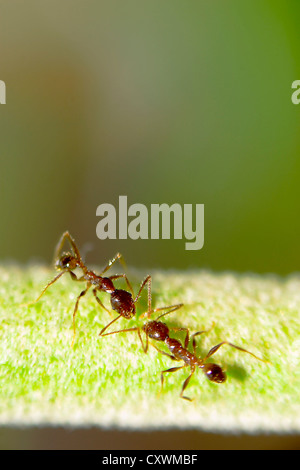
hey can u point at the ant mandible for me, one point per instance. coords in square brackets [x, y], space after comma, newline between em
[121, 301]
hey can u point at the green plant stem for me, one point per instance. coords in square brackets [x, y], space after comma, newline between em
[111, 382]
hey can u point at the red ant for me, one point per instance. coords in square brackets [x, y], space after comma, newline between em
[121, 301]
[159, 331]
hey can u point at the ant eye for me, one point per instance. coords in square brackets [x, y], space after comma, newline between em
[214, 373]
[66, 261]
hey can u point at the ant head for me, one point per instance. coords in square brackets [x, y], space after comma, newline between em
[66, 261]
[156, 330]
[214, 373]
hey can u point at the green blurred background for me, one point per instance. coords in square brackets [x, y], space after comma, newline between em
[162, 101]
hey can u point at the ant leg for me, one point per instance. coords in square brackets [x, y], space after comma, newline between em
[200, 333]
[99, 301]
[215, 349]
[73, 276]
[66, 236]
[187, 337]
[147, 281]
[110, 323]
[75, 311]
[171, 307]
[118, 276]
[44, 290]
[185, 384]
[125, 330]
[159, 309]
[164, 353]
[112, 261]
[173, 369]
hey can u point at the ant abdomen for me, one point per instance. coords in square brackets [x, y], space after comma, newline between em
[123, 303]
[156, 330]
[214, 373]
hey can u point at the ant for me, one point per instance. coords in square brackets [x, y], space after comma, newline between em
[159, 331]
[121, 301]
